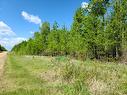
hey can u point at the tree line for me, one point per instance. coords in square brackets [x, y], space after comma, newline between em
[2, 48]
[98, 31]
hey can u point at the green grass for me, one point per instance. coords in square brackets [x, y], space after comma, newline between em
[28, 75]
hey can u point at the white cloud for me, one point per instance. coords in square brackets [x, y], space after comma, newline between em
[8, 38]
[5, 30]
[10, 42]
[84, 5]
[31, 18]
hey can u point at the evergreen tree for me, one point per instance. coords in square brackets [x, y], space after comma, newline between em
[45, 30]
[78, 21]
[55, 26]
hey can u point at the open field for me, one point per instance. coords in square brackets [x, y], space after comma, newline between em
[28, 75]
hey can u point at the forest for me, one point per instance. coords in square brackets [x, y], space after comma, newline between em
[98, 31]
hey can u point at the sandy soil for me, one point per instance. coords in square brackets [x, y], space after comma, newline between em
[3, 57]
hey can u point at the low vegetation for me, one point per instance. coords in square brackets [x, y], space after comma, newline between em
[38, 75]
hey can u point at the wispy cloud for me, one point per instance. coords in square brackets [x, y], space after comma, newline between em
[84, 5]
[10, 42]
[8, 38]
[31, 18]
[5, 30]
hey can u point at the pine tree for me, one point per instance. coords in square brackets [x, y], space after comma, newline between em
[78, 21]
[45, 30]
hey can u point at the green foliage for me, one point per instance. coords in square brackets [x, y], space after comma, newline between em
[98, 32]
[2, 48]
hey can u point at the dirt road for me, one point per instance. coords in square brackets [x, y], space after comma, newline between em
[3, 57]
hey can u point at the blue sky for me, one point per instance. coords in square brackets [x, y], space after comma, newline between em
[20, 18]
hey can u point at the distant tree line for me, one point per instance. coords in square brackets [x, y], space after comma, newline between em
[2, 48]
[98, 31]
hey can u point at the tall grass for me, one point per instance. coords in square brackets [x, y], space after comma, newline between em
[27, 75]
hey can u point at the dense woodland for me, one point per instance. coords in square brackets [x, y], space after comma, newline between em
[98, 31]
[2, 48]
